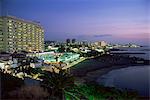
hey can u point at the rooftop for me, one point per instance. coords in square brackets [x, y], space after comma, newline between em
[22, 20]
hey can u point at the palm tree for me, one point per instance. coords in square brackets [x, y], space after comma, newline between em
[56, 58]
[60, 84]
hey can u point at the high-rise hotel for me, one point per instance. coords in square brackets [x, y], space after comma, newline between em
[20, 35]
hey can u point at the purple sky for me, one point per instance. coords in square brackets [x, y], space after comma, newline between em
[117, 21]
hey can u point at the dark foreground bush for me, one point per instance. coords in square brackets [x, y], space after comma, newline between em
[97, 92]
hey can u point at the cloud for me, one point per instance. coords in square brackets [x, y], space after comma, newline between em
[102, 35]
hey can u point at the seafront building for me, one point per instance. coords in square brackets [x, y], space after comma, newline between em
[20, 35]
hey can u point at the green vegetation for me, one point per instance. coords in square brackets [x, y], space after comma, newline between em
[90, 54]
[98, 92]
[61, 86]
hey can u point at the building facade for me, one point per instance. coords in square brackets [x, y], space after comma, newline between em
[73, 41]
[68, 41]
[101, 43]
[20, 35]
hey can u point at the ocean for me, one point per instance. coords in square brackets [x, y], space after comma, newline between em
[145, 50]
[132, 78]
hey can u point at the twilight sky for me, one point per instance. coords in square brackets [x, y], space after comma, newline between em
[117, 21]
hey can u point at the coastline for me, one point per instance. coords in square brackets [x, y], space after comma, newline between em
[94, 75]
[90, 74]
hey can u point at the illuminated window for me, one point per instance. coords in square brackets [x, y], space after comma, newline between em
[9, 20]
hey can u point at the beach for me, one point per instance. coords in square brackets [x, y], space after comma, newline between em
[89, 70]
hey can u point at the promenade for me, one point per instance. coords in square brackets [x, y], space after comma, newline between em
[74, 63]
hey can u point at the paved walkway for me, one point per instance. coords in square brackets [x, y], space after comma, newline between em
[74, 63]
